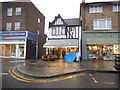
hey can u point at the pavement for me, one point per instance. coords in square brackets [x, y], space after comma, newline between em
[48, 69]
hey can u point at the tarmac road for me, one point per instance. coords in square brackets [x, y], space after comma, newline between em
[81, 80]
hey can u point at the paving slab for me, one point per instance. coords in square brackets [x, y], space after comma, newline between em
[45, 69]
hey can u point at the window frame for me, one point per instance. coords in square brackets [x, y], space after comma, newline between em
[9, 11]
[117, 7]
[63, 31]
[16, 27]
[18, 12]
[8, 27]
[92, 7]
[98, 24]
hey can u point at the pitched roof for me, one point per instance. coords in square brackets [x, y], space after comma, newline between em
[74, 21]
[69, 22]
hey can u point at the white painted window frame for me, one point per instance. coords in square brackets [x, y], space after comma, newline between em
[17, 27]
[8, 26]
[117, 7]
[18, 11]
[9, 11]
[93, 7]
[98, 20]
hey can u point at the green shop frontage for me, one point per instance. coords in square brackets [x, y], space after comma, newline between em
[104, 45]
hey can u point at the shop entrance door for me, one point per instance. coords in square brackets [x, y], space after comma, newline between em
[2, 50]
[20, 51]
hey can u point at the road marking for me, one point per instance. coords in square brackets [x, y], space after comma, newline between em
[93, 78]
[107, 82]
[4, 73]
[99, 82]
[24, 79]
[18, 61]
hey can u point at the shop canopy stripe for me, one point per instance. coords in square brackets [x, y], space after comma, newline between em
[62, 43]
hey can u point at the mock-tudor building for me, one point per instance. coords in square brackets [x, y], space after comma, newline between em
[64, 34]
[100, 29]
[22, 33]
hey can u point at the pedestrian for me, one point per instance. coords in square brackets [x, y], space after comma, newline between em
[63, 53]
[58, 54]
[78, 57]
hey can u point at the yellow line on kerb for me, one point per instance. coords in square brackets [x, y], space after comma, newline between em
[21, 78]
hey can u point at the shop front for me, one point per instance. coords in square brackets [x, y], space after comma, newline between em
[12, 50]
[15, 44]
[102, 45]
[61, 47]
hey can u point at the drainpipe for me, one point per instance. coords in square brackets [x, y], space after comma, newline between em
[37, 43]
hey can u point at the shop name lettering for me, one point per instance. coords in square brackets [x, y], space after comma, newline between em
[14, 34]
[104, 35]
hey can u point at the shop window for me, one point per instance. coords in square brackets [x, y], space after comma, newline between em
[7, 50]
[13, 50]
[116, 49]
[2, 50]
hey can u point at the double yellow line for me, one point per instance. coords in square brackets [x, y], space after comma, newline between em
[24, 79]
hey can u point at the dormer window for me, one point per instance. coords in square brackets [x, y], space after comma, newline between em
[96, 9]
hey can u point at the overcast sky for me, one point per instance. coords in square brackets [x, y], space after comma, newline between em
[66, 8]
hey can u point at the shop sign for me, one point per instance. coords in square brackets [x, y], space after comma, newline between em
[13, 34]
[104, 35]
[22, 34]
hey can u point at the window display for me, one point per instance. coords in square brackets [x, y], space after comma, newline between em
[105, 52]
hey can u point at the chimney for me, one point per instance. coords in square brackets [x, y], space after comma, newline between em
[83, 1]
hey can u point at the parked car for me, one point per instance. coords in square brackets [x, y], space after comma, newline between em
[117, 62]
[49, 57]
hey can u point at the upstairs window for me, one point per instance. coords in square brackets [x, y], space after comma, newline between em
[99, 24]
[96, 9]
[57, 31]
[63, 31]
[116, 7]
[18, 11]
[9, 11]
[17, 25]
[39, 20]
[8, 26]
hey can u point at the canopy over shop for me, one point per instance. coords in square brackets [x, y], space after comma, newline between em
[61, 46]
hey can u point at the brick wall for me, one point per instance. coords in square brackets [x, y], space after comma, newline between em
[87, 18]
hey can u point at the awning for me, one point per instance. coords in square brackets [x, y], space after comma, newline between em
[62, 43]
[108, 41]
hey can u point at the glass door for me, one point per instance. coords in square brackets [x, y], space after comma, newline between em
[20, 51]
